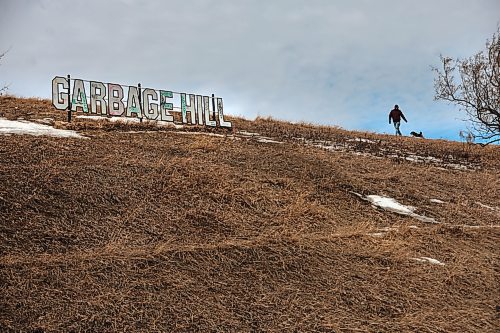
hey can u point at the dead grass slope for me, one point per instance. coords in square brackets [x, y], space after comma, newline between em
[163, 232]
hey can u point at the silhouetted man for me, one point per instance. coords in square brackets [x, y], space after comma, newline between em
[396, 116]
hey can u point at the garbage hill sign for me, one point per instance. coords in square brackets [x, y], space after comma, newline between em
[109, 99]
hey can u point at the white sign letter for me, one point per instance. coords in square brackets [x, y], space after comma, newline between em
[220, 111]
[115, 99]
[188, 108]
[133, 106]
[165, 107]
[98, 97]
[206, 106]
[60, 99]
[150, 109]
[79, 98]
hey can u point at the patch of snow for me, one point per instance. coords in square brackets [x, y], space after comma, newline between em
[245, 133]
[488, 207]
[429, 260]
[389, 204]
[268, 140]
[413, 227]
[201, 133]
[386, 229]
[437, 201]
[111, 119]
[392, 205]
[376, 234]
[431, 160]
[361, 140]
[124, 120]
[424, 218]
[257, 137]
[92, 117]
[135, 120]
[30, 128]
[329, 147]
[456, 166]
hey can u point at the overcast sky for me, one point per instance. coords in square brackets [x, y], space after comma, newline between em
[333, 62]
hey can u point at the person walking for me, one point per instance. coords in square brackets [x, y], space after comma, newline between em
[395, 115]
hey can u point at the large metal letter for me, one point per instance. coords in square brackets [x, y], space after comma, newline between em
[98, 97]
[165, 107]
[191, 108]
[133, 106]
[59, 99]
[206, 106]
[220, 111]
[150, 109]
[79, 98]
[115, 99]
[199, 109]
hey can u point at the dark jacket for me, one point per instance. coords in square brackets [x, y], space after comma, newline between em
[396, 115]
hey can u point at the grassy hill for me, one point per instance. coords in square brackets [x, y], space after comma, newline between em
[264, 228]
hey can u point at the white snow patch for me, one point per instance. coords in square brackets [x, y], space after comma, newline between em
[245, 133]
[134, 120]
[389, 204]
[386, 229]
[488, 207]
[431, 160]
[437, 201]
[257, 137]
[201, 133]
[30, 128]
[429, 260]
[361, 140]
[392, 205]
[268, 140]
[122, 120]
[329, 147]
[376, 234]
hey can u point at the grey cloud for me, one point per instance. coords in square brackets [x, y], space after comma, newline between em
[332, 62]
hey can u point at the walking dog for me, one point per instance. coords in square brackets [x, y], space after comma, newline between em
[417, 135]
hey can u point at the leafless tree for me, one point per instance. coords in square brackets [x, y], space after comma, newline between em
[476, 90]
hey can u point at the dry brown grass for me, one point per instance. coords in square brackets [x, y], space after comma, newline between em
[160, 232]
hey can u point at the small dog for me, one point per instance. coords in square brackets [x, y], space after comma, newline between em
[417, 135]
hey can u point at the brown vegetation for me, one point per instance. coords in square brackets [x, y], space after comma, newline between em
[156, 231]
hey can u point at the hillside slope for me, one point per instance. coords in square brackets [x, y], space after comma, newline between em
[264, 228]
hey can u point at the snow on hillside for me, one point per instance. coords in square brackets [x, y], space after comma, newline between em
[429, 260]
[8, 127]
[126, 120]
[391, 205]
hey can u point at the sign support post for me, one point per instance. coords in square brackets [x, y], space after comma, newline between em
[140, 102]
[213, 106]
[69, 98]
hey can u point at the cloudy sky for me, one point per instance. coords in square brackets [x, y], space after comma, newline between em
[333, 62]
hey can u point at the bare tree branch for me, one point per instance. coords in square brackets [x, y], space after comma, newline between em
[477, 89]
